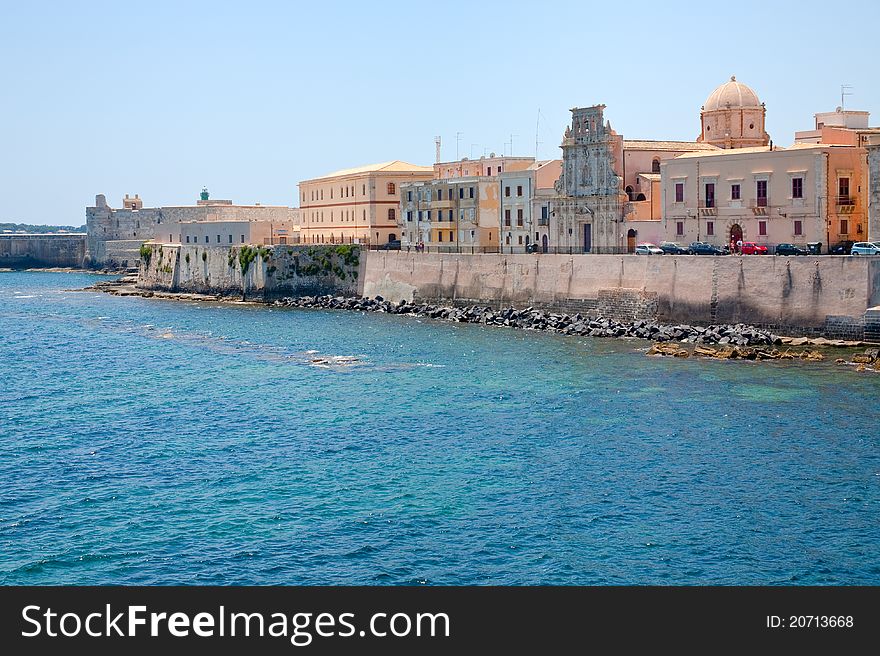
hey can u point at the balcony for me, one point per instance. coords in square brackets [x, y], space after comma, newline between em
[707, 207]
[759, 206]
[845, 204]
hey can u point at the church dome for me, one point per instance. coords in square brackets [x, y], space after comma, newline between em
[731, 95]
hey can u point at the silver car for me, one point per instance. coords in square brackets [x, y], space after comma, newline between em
[648, 249]
[865, 248]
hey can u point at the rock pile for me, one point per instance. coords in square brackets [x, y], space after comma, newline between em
[735, 353]
[739, 335]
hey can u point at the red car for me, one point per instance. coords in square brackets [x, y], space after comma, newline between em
[751, 248]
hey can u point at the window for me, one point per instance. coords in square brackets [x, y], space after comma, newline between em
[391, 188]
[519, 190]
[450, 215]
[843, 192]
[420, 215]
[507, 191]
[331, 193]
[679, 228]
[797, 187]
[471, 192]
[710, 194]
[761, 193]
[489, 170]
[207, 239]
[655, 166]
[230, 238]
[450, 236]
[363, 190]
[507, 217]
[519, 217]
[734, 192]
[520, 240]
[439, 235]
[439, 194]
[844, 227]
[409, 215]
[461, 192]
[544, 212]
[409, 196]
[798, 227]
[242, 239]
[392, 215]
[762, 228]
[187, 239]
[710, 228]
[429, 214]
[679, 192]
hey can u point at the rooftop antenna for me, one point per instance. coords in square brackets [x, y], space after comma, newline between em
[437, 149]
[457, 140]
[511, 143]
[537, 123]
[844, 91]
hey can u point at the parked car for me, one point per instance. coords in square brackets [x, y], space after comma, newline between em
[648, 249]
[865, 248]
[390, 246]
[790, 249]
[703, 248]
[815, 247]
[842, 248]
[671, 248]
[751, 248]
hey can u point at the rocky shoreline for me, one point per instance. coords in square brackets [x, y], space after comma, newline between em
[577, 324]
[733, 342]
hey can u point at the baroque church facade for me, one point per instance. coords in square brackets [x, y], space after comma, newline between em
[589, 209]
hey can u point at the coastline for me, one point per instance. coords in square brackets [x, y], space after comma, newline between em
[729, 342]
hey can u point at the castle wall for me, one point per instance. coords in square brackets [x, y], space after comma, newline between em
[51, 250]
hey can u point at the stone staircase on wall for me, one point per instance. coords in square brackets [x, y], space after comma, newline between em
[872, 324]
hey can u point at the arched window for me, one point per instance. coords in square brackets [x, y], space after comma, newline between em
[655, 165]
[392, 215]
[392, 189]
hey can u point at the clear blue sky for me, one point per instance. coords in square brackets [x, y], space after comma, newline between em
[248, 98]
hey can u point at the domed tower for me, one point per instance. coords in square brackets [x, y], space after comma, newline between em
[733, 117]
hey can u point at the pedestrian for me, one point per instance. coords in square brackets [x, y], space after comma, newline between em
[739, 246]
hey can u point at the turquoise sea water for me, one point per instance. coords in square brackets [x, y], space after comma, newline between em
[161, 442]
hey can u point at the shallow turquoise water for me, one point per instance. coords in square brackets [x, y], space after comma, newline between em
[147, 441]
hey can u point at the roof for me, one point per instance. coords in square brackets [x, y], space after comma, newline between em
[755, 149]
[647, 144]
[650, 176]
[542, 163]
[731, 95]
[393, 166]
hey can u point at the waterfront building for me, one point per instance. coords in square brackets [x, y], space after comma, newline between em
[545, 173]
[460, 209]
[358, 205]
[116, 235]
[873, 163]
[801, 194]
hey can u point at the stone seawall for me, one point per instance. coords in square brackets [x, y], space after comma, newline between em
[50, 250]
[799, 295]
[263, 272]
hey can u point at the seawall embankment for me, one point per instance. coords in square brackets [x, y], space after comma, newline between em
[253, 272]
[812, 295]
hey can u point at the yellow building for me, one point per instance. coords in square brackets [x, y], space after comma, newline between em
[358, 205]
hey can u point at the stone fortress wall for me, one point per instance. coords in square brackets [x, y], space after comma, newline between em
[48, 250]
